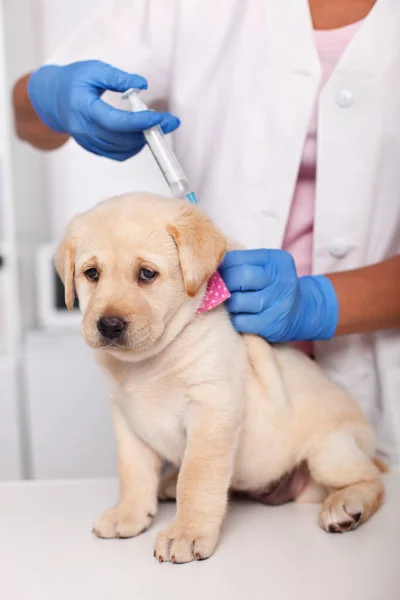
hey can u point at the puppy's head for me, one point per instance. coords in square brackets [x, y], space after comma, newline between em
[135, 262]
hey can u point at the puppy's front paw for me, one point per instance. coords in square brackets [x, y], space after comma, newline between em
[178, 545]
[122, 521]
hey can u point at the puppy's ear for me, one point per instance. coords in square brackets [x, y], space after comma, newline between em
[201, 247]
[65, 263]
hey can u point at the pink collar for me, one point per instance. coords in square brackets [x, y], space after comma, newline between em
[216, 293]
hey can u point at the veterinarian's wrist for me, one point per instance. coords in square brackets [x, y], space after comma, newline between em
[319, 314]
[42, 86]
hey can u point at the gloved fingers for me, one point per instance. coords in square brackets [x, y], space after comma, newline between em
[121, 156]
[271, 324]
[245, 277]
[244, 323]
[97, 147]
[87, 144]
[108, 117]
[258, 258]
[252, 302]
[169, 123]
[108, 77]
[112, 141]
[118, 146]
[116, 138]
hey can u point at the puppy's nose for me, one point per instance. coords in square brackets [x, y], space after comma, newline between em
[111, 327]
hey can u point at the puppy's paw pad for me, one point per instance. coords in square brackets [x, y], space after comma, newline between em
[340, 514]
[118, 522]
[179, 546]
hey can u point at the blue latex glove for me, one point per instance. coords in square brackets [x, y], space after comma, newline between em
[269, 299]
[67, 99]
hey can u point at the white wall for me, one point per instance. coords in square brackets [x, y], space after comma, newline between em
[11, 449]
[22, 35]
[70, 428]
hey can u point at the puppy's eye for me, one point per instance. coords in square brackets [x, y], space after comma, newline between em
[92, 274]
[147, 275]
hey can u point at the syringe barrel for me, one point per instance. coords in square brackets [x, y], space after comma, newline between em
[167, 162]
[164, 156]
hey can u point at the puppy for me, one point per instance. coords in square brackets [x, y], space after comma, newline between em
[230, 412]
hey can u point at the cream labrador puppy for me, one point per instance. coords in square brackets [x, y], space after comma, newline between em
[230, 412]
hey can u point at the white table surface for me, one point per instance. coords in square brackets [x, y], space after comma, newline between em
[47, 552]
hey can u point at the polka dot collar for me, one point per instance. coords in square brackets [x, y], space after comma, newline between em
[216, 293]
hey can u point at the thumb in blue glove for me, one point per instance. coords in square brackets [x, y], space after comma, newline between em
[270, 300]
[68, 100]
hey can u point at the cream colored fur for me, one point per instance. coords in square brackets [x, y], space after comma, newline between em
[229, 411]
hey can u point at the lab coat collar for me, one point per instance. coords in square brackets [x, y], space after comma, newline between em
[372, 46]
[374, 39]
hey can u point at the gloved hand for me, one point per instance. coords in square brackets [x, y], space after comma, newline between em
[269, 299]
[67, 99]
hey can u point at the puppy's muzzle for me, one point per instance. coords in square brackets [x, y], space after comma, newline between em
[111, 328]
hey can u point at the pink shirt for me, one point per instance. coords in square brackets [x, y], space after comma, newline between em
[298, 239]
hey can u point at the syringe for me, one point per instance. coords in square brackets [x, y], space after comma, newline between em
[166, 159]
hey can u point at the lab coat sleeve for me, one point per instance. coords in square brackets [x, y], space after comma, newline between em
[134, 35]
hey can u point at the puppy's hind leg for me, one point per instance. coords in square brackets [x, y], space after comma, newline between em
[356, 489]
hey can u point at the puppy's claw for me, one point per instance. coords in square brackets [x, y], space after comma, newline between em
[180, 546]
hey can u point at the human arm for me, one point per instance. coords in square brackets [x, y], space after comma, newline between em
[269, 299]
[67, 100]
[369, 297]
[133, 36]
[28, 126]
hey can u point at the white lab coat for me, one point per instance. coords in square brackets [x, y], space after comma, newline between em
[243, 78]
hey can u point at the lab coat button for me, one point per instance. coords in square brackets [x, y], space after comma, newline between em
[345, 98]
[338, 248]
